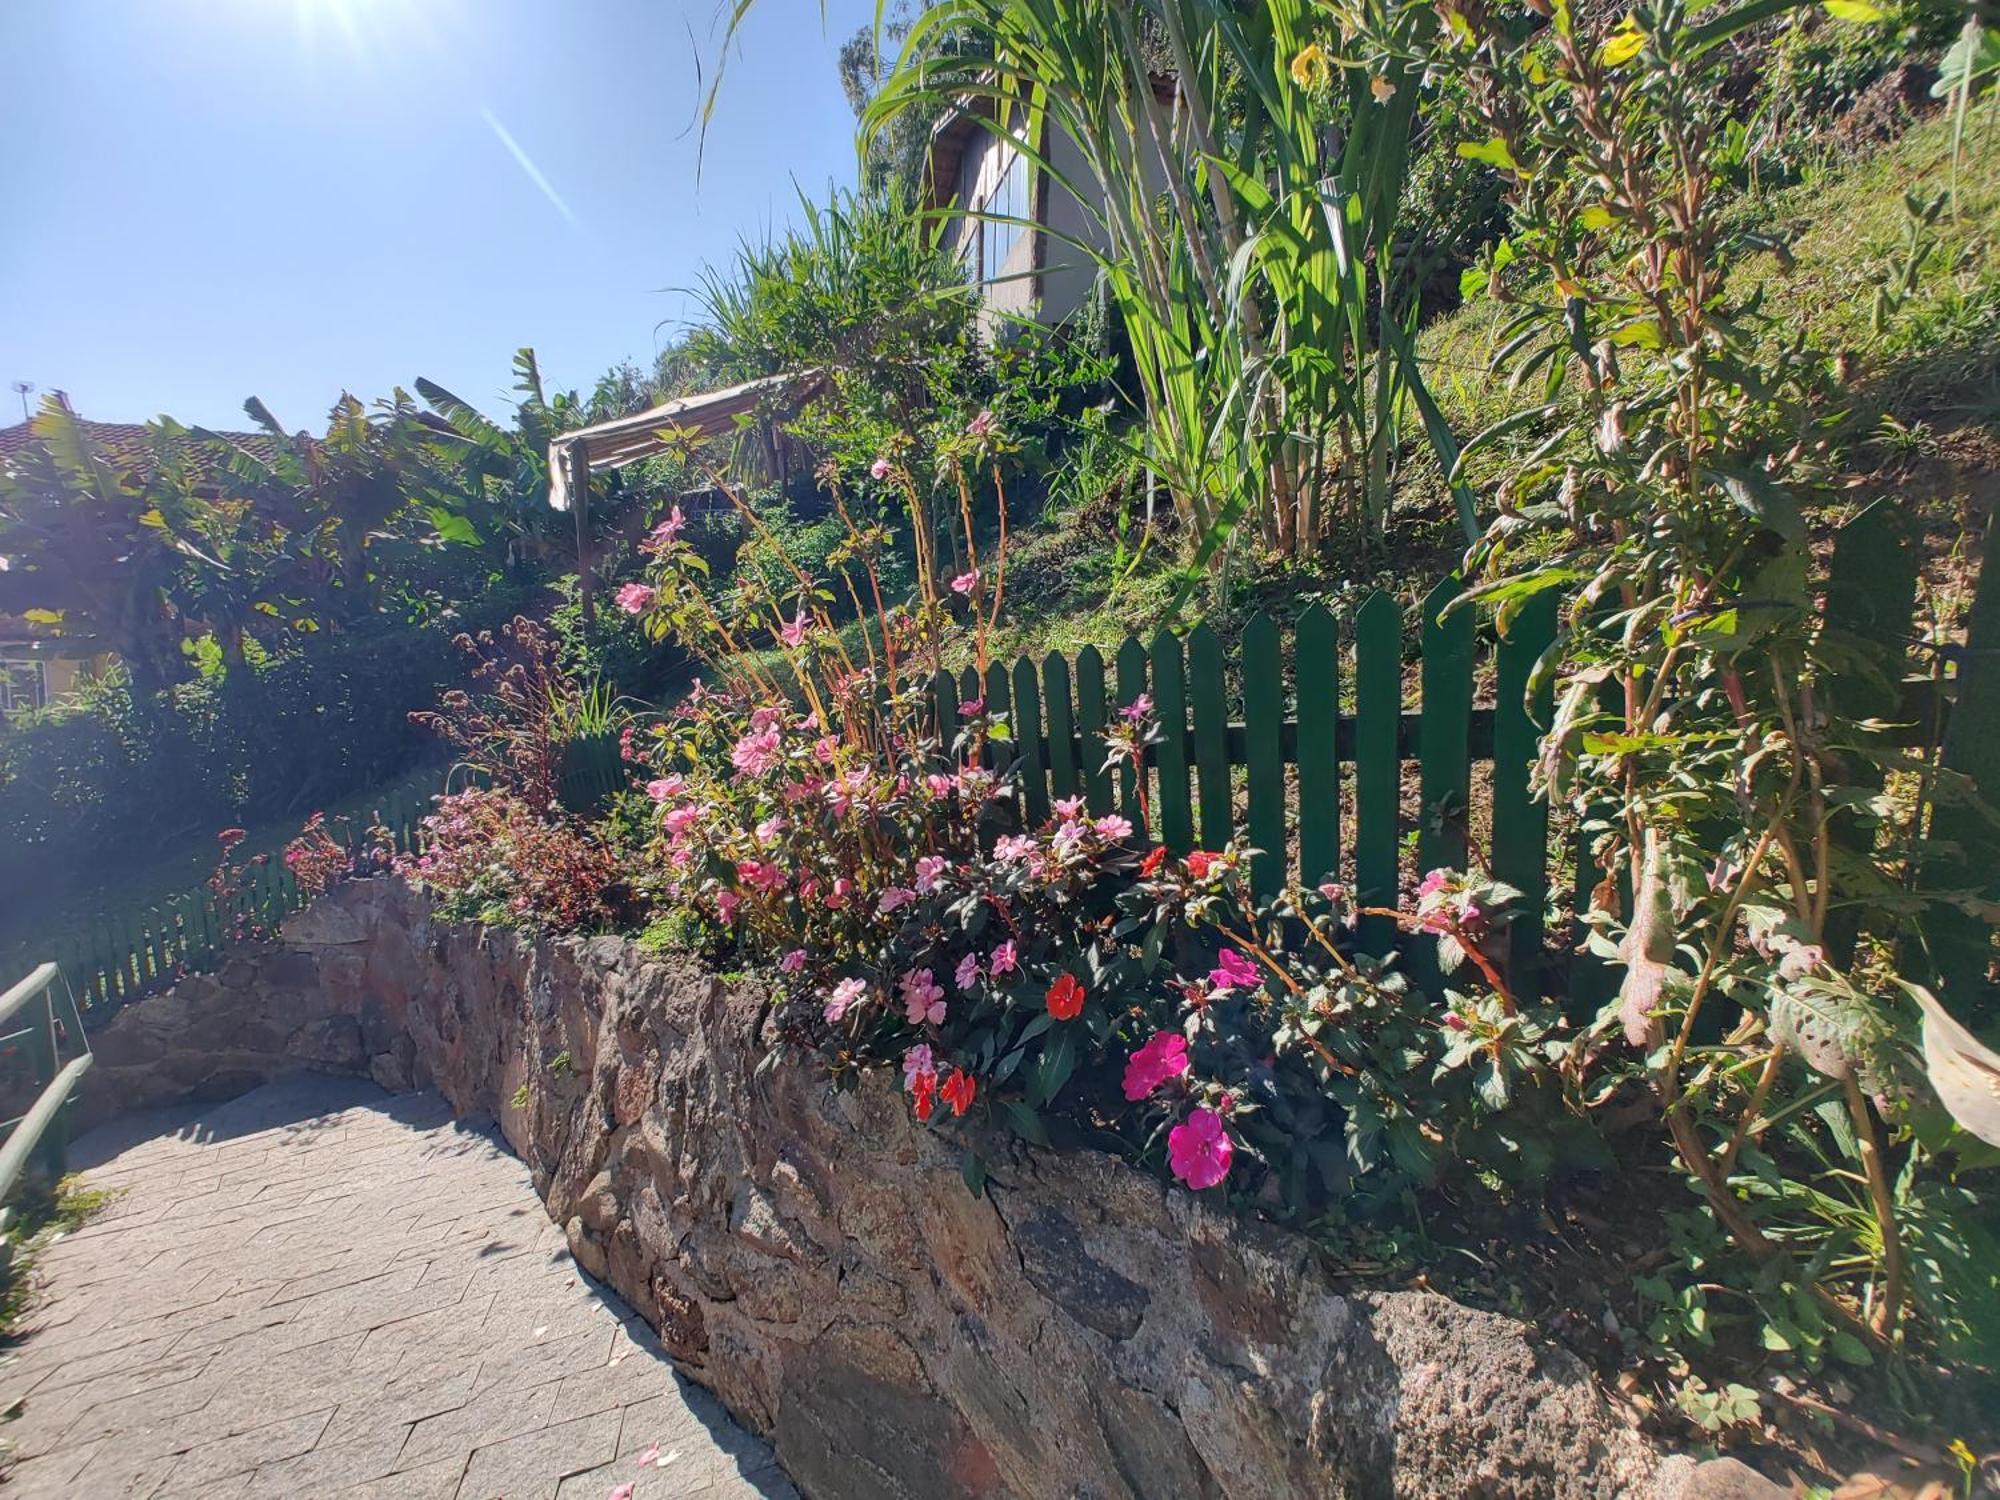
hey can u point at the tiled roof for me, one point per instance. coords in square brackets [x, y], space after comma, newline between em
[127, 442]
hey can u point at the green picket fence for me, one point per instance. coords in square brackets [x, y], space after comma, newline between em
[1300, 745]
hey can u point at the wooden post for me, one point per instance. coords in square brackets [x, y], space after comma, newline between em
[579, 504]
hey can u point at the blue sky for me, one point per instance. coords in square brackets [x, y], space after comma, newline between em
[202, 200]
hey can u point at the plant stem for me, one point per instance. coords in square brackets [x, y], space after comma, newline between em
[1891, 1306]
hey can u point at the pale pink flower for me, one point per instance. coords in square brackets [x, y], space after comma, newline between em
[1800, 960]
[1013, 848]
[650, 1459]
[893, 899]
[938, 785]
[1005, 959]
[636, 598]
[965, 583]
[1068, 837]
[1163, 1057]
[1200, 1150]
[726, 903]
[881, 468]
[923, 997]
[929, 867]
[792, 962]
[623, 1491]
[1068, 808]
[757, 752]
[843, 997]
[823, 749]
[1113, 827]
[680, 819]
[983, 426]
[760, 875]
[919, 1066]
[967, 974]
[1434, 882]
[665, 788]
[793, 632]
[664, 534]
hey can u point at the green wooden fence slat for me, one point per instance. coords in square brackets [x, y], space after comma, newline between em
[1520, 819]
[1090, 727]
[1263, 724]
[1445, 747]
[1378, 706]
[1170, 704]
[944, 702]
[1000, 704]
[1062, 726]
[1316, 685]
[1211, 736]
[1028, 741]
[1871, 592]
[1131, 687]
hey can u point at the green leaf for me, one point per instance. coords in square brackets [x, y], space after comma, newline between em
[1597, 216]
[973, 1169]
[1849, 1349]
[1027, 1124]
[1494, 153]
[1625, 43]
[1854, 12]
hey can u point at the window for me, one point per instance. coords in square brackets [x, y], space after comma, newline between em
[23, 685]
[1008, 199]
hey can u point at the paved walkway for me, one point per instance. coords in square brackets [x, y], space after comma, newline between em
[320, 1290]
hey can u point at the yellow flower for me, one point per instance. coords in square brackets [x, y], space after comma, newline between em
[1310, 69]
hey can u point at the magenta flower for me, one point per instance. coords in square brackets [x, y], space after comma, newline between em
[983, 426]
[972, 708]
[1005, 959]
[1233, 971]
[1163, 1057]
[1137, 709]
[792, 962]
[636, 598]
[967, 973]
[760, 875]
[824, 748]
[726, 903]
[843, 998]
[1200, 1150]
[965, 583]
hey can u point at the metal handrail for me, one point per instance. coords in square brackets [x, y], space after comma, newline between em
[41, 1127]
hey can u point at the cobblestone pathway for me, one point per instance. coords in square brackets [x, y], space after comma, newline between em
[320, 1290]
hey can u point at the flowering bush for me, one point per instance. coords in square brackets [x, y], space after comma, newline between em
[490, 856]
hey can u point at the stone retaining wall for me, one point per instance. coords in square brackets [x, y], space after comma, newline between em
[815, 1259]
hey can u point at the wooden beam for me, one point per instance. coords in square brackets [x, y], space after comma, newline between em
[579, 504]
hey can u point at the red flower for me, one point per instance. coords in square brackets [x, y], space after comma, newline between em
[1150, 866]
[1199, 863]
[923, 1096]
[958, 1091]
[1066, 997]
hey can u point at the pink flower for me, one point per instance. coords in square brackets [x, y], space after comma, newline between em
[823, 749]
[623, 1491]
[881, 468]
[965, 583]
[1233, 971]
[1069, 808]
[760, 875]
[1112, 827]
[939, 785]
[650, 1459]
[726, 903]
[1012, 848]
[844, 997]
[793, 631]
[1137, 709]
[665, 789]
[636, 598]
[894, 899]
[972, 708]
[792, 962]
[1434, 882]
[1005, 960]
[842, 889]
[680, 819]
[923, 997]
[1164, 1057]
[1200, 1150]
[967, 973]
[757, 752]
[664, 534]
[982, 426]
[929, 867]
[918, 1065]
[1800, 960]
